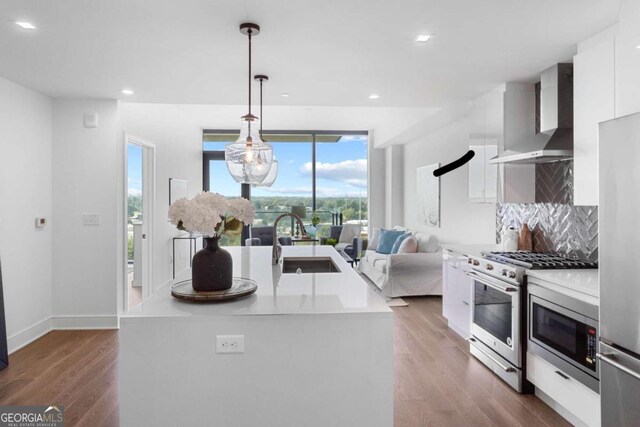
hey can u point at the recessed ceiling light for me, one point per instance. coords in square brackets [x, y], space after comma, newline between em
[374, 96]
[423, 38]
[26, 25]
[284, 95]
[127, 91]
[638, 47]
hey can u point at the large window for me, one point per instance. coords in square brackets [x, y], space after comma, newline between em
[326, 172]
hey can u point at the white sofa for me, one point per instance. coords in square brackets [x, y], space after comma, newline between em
[406, 274]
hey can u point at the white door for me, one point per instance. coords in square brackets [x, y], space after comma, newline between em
[139, 204]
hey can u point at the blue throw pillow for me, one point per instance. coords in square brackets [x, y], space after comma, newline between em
[399, 240]
[387, 239]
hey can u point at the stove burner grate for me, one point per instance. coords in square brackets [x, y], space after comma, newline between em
[541, 261]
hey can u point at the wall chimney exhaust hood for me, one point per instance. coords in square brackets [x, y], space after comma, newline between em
[555, 140]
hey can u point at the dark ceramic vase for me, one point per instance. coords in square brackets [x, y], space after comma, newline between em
[212, 268]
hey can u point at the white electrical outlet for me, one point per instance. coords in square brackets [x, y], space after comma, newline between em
[229, 343]
[91, 219]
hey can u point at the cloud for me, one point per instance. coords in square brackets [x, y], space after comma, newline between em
[352, 172]
[135, 192]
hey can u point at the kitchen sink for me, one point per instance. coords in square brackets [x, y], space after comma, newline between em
[309, 265]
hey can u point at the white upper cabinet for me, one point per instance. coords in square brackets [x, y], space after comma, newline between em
[627, 59]
[498, 120]
[485, 133]
[476, 143]
[594, 102]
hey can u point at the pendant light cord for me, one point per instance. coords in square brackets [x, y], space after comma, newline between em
[249, 118]
[261, 108]
[250, 31]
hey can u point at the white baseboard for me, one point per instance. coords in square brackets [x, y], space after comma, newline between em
[28, 335]
[84, 322]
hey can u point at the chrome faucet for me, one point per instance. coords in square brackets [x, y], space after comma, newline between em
[277, 247]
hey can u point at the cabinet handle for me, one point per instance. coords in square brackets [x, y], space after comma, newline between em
[562, 375]
[465, 303]
[608, 358]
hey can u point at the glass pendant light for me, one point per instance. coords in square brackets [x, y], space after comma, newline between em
[249, 159]
[273, 172]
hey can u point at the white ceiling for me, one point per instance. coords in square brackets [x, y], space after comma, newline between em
[328, 52]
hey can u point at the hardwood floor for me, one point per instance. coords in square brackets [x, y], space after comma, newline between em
[75, 369]
[438, 383]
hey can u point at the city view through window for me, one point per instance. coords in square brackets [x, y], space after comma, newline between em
[340, 179]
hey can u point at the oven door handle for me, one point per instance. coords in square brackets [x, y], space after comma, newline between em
[493, 359]
[476, 276]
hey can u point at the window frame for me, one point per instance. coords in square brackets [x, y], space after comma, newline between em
[246, 188]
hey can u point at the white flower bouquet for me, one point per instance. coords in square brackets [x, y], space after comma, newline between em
[211, 214]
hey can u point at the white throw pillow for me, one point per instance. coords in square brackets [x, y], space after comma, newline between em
[373, 241]
[349, 232]
[408, 246]
[427, 242]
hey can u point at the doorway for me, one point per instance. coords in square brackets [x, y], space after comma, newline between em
[139, 203]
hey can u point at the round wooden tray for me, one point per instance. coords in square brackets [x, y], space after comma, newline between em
[241, 287]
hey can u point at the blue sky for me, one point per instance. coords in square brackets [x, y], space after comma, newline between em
[134, 163]
[341, 170]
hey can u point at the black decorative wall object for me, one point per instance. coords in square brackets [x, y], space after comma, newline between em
[4, 354]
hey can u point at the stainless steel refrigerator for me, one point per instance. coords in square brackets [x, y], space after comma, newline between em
[619, 248]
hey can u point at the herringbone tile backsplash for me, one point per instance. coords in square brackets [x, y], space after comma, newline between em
[554, 182]
[556, 224]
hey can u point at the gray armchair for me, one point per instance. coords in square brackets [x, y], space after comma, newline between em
[352, 249]
[263, 236]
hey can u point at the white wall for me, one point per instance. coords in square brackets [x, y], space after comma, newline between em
[394, 186]
[377, 184]
[25, 192]
[176, 130]
[461, 220]
[85, 180]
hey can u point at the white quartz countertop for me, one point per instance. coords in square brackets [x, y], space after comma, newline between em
[311, 293]
[582, 281]
[470, 250]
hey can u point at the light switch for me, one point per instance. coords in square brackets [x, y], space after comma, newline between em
[91, 120]
[91, 219]
[41, 222]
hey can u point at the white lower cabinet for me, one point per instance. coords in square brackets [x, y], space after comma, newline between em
[577, 402]
[456, 293]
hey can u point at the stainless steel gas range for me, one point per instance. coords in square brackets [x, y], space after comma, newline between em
[499, 309]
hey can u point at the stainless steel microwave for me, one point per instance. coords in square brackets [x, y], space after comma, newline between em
[563, 330]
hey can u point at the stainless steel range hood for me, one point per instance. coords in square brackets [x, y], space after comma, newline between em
[555, 141]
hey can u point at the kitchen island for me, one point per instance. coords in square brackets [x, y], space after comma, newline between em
[318, 350]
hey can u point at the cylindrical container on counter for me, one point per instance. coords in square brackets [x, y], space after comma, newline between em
[509, 239]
